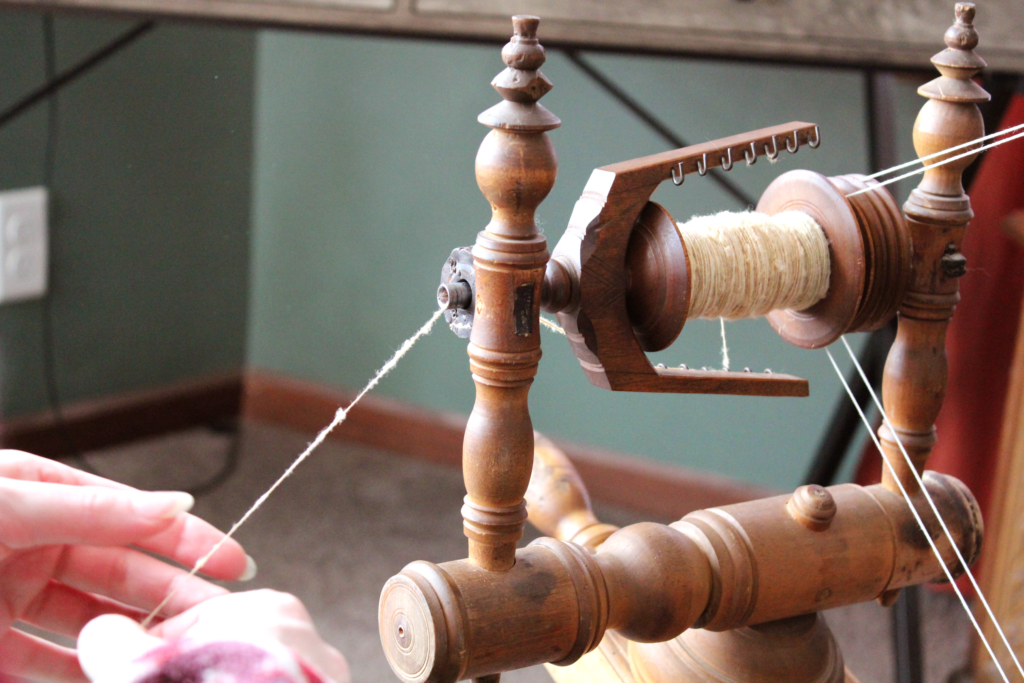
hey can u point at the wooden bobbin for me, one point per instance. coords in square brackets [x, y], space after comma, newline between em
[870, 253]
[869, 248]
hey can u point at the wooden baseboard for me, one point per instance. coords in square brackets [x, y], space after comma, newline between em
[100, 423]
[662, 491]
[377, 421]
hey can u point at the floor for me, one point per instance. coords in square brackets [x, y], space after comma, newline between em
[351, 517]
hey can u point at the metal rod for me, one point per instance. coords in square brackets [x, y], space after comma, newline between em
[906, 627]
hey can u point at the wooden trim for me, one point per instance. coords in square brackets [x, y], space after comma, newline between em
[109, 421]
[895, 36]
[377, 421]
[663, 491]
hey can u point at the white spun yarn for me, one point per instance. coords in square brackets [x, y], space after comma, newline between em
[744, 265]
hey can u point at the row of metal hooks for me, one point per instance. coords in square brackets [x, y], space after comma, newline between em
[749, 155]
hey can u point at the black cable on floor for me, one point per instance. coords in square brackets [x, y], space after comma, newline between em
[232, 458]
[652, 122]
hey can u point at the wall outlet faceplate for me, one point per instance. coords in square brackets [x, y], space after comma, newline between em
[24, 244]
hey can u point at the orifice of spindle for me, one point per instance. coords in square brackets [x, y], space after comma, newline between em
[515, 169]
[937, 213]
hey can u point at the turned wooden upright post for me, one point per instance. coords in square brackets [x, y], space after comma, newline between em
[515, 169]
[937, 212]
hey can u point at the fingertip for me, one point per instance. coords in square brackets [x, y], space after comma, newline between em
[250, 569]
[184, 503]
[164, 504]
[230, 563]
[109, 644]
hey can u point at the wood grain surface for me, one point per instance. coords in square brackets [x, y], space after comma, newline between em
[887, 33]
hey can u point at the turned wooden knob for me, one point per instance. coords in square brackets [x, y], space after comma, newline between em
[813, 506]
[445, 623]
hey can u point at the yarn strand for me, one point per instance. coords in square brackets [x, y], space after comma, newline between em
[913, 510]
[551, 325]
[743, 265]
[339, 417]
[725, 347]
[921, 160]
[919, 171]
[935, 510]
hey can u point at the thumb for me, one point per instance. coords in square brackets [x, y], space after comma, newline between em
[110, 647]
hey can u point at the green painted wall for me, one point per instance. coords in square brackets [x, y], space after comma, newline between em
[150, 207]
[286, 200]
[363, 182]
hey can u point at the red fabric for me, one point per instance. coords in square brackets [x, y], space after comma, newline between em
[983, 332]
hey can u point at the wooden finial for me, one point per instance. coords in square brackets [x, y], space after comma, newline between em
[522, 83]
[958, 63]
[961, 35]
[937, 212]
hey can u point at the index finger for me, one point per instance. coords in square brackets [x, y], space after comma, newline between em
[34, 514]
[189, 538]
[184, 541]
[28, 467]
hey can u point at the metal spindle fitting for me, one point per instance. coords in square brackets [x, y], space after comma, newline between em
[454, 295]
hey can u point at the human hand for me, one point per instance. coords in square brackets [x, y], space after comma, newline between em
[65, 558]
[240, 638]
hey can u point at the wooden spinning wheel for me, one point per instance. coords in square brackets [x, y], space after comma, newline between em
[726, 594]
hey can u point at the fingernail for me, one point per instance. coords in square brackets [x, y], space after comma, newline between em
[166, 504]
[250, 570]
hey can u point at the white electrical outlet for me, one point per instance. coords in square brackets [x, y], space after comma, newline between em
[24, 244]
